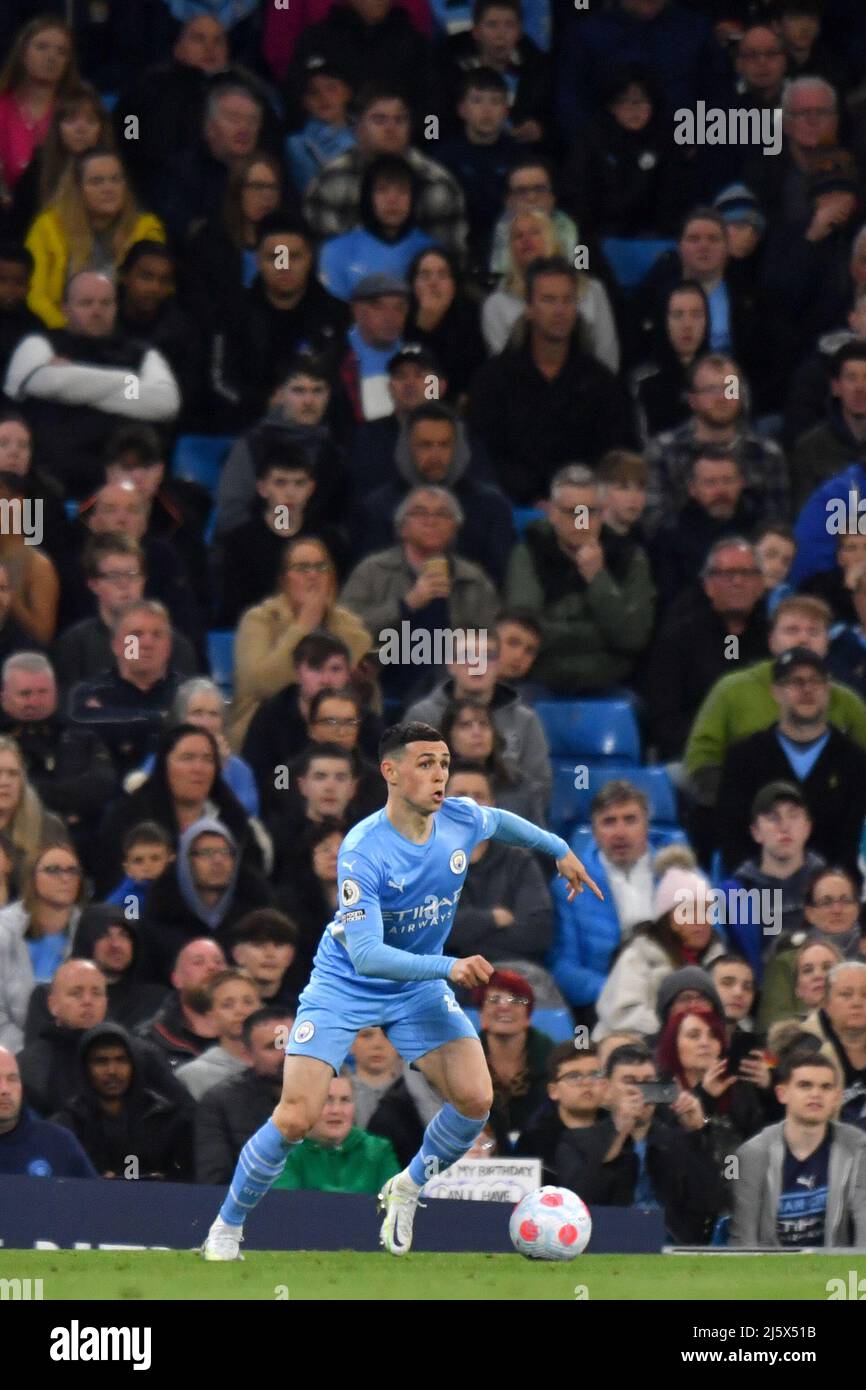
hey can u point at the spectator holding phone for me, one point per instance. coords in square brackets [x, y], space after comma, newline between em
[643, 1154]
[802, 1182]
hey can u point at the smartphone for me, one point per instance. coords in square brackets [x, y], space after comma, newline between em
[658, 1092]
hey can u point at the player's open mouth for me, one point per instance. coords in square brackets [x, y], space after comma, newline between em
[438, 796]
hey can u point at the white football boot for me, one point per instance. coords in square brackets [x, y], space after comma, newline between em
[399, 1202]
[223, 1242]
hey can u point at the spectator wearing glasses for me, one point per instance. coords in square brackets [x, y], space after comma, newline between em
[575, 1092]
[803, 748]
[529, 186]
[801, 960]
[36, 934]
[692, 649]
[516, 1053]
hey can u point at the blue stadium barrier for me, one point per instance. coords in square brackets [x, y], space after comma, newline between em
[558, 1024]
[570, 803]
[590, 729]
[221, 659]
[521, 516]
[630, 258]
[199, 458]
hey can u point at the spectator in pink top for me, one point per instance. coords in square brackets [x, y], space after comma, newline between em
[40, 67]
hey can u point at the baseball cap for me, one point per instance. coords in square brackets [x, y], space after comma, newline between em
[374, 286]
[737, 203]
[797, 656]
[418, 355]
[769, 797]
[318, 65]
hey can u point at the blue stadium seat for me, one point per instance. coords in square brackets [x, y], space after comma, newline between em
[521, 516]
[572, 803]
[221, 659]
[631, 257]
[199, 458]
[556, 1023]
[590, 729]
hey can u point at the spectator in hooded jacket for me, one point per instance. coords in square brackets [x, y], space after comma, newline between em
[229, 1112]
[29, 1146]
[116, 1117]
[505, 912]
[659, 385]
[232, 997]
[207, 887]
[77, 1000]
[386, 239]
[679, 933]
[111, 938]
[592, 592]
[182, 1028]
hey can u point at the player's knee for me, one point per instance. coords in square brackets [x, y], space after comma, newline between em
[294, 1119]
[475, 1104]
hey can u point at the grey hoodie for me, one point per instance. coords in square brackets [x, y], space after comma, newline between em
[406, 466]
[211, 916]
[208, 1070]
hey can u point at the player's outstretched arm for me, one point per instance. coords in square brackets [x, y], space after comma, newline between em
[515, 830]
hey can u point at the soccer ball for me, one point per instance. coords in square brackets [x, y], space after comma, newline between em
[550, 1223]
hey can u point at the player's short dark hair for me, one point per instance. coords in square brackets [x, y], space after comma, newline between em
[800, 1056]
[482, 79]
[547, 265]
[265, 924]
[567, 1052]
[317, 648]
[147, 832]
[629, 1055]
[264, 1015]
[17, 254]
[394, 740]
[323, 750]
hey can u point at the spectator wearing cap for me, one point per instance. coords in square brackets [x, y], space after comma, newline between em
[380, 304]
[781, 827]
[589, 936]
[692, 648]
[516, 1052]
[802, 1182]
[371, 41]
[445, 320]
[298, 414]
[383, 126]
[745, 228]
[679, 933]
[742, 703]
[718, 418]
[806, 259]
[545, 401]
[411, 373]
[433, 449]
[590, 589]
[325, 94]
[574, 1095]
[804, 748]
[29, 1146]
[387, 237]
[828, 459]
[285, 311]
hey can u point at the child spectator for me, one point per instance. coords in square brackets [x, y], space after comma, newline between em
[481, 156]
[496, 41]
[147, 852]
[775, 548]
[623, 476]
[232, 997]
[519, 644]
[325, 96]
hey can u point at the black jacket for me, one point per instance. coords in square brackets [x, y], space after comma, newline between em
[835, 792]
[69, 766]
[541, 1139]
[225, 1118]
[683, 542]
[680, 1166]
[690, 653]
[531, 426]
[277, 735]
[50, 1075]
[154, 1129]
[83, 652]
[392, 52]
[127, 720]
[625, 183]
[168, 1034]
[505, 876]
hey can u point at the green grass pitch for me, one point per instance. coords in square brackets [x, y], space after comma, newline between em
[350, 1275]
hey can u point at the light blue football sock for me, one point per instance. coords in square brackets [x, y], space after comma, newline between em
[447, 1137]
[262, 1160]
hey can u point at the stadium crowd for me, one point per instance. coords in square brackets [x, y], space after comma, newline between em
[336, 330]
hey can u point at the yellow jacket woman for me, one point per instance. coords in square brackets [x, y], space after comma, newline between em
[90, 225]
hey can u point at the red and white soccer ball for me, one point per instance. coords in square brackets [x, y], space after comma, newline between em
[550, 1223]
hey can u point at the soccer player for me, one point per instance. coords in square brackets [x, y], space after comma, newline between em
[380, 964]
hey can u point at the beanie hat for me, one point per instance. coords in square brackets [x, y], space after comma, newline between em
[737, 203]
[678, 885]
[510, 981]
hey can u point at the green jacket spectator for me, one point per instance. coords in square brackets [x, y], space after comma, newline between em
[362, 1163]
